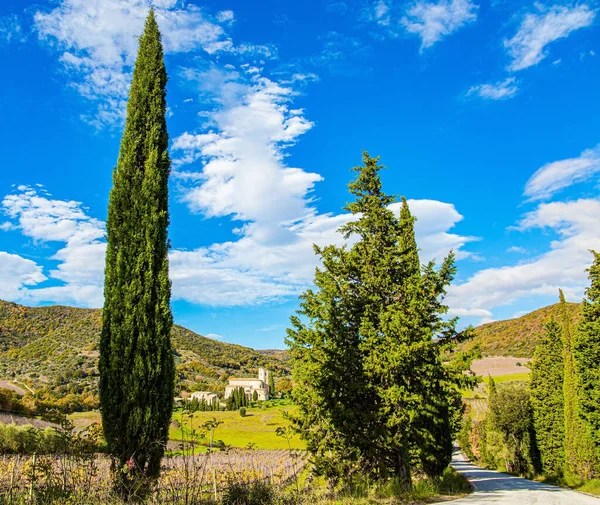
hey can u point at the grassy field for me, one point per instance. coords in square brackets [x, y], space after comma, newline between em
[481, 390]
[257, 427]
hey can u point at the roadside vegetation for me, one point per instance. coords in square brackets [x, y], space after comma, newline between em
[547, 428]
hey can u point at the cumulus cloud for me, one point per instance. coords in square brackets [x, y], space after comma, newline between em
[557, 175]
[243, 173]
[433, 21]
[97, 43]
[500, 90]
[242, 272]
[537, 30]
[81, 259]
[429, 20]
[250, 271]
[16, 274]
[562, 266]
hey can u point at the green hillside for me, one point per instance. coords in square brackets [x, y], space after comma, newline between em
[517, 337]
[55, 350]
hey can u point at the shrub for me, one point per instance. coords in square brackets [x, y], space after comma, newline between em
[257, 493]
[243, 411]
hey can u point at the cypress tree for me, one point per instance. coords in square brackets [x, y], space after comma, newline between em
[579, 450]
[547, 400]
[136, 361]
[492, 389]
[271, 385]
[370, 382]
[587, 354]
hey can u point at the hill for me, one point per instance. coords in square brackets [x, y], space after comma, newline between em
[517, 337]
[54, 350]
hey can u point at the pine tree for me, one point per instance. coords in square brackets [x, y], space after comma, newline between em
[547, 399]
[370, 383]
[579, 451]
[587, 354]
[136, 360]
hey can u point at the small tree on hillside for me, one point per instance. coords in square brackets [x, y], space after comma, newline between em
[547, 377]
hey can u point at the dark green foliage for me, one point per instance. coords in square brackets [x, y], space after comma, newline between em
[136, 360]
[243, 411]
[237, 399]
[505, 437]
[257, 493]
[511, 415]
[580, 460]
[370, 382]
[547, 398]
[587, 355]
[271, 385]
[255, 396]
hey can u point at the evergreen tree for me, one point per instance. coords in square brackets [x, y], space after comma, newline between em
[271, 385]
[370, 382]
[255, 396]
[587, 354]
[579, 450]
[492, 389]
[230, 402]
[547, 377]
[136, 361]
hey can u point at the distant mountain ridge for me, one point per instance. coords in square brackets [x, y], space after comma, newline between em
[55, 349]
[518, 337]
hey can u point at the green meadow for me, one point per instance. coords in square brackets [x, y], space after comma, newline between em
[258, 427]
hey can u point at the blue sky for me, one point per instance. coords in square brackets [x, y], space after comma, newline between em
[486, 114]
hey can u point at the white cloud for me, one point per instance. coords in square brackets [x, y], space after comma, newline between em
[497, 91]
[16, 273]
[553, 177]
[214, 336]
[97, 42]
[516, 249]
[562, 266]
[250, 271]
[469, 313]
[81, 259]
[432, 21]
[244, 174]
[528, 46]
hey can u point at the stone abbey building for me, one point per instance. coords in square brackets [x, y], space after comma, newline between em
[260, 385]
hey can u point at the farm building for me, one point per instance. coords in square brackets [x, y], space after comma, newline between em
[204, 395]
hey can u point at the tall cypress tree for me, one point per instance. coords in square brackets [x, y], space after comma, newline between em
[547, 399]
[579, 451]
[136, 360]
[587, 354]
[370, 382]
